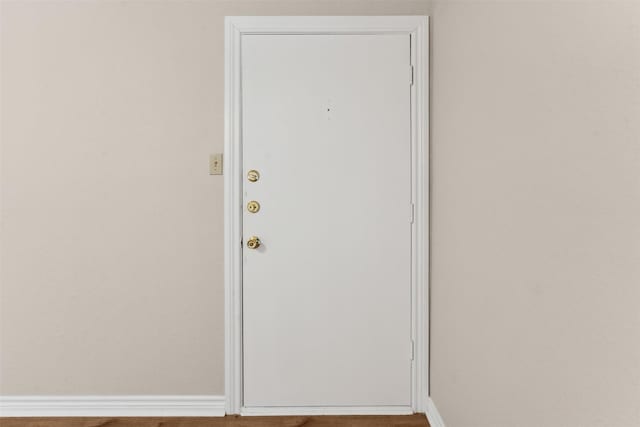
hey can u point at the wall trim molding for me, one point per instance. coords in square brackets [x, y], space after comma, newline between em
[112, 406]
[417, 27]
[435, 420]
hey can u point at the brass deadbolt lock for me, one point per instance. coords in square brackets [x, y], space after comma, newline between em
[253, 242]
[253, 206]
[253, 175]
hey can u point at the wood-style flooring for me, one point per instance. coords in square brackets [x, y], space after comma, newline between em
[418, 420]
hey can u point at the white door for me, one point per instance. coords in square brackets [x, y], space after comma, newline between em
[327, 295]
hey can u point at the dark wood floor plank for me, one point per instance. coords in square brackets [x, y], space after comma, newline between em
[417, 420]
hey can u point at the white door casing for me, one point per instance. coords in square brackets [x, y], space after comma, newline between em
[333, 167]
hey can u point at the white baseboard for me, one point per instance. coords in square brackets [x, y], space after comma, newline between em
[326, 410]
[435, 420]
[112, 406]
[174, 406]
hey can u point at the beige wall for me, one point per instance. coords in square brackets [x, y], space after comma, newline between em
[111, 234]
[536, 214]
[112, 229]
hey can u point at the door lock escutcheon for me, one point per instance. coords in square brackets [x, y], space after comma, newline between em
[253, 206]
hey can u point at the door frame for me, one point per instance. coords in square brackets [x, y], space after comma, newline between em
[418, 28]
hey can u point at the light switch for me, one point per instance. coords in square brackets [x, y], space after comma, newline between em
[215, 164]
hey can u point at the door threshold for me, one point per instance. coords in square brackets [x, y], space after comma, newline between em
[325, 410]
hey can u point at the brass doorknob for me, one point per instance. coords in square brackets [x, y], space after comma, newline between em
[253, 242]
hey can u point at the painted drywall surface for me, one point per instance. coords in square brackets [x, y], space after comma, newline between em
[536, 214]
[112, 229]
[111, 242]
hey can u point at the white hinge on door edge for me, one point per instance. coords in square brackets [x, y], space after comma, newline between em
[410, 75]
[412, 354]
[412, 212]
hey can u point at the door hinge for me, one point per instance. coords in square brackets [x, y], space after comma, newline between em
[412, 213]
[411, 75]
[412, 354]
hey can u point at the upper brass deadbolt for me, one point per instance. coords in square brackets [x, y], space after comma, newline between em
[253, 175]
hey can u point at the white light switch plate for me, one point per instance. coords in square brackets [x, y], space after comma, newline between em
[215, 164]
